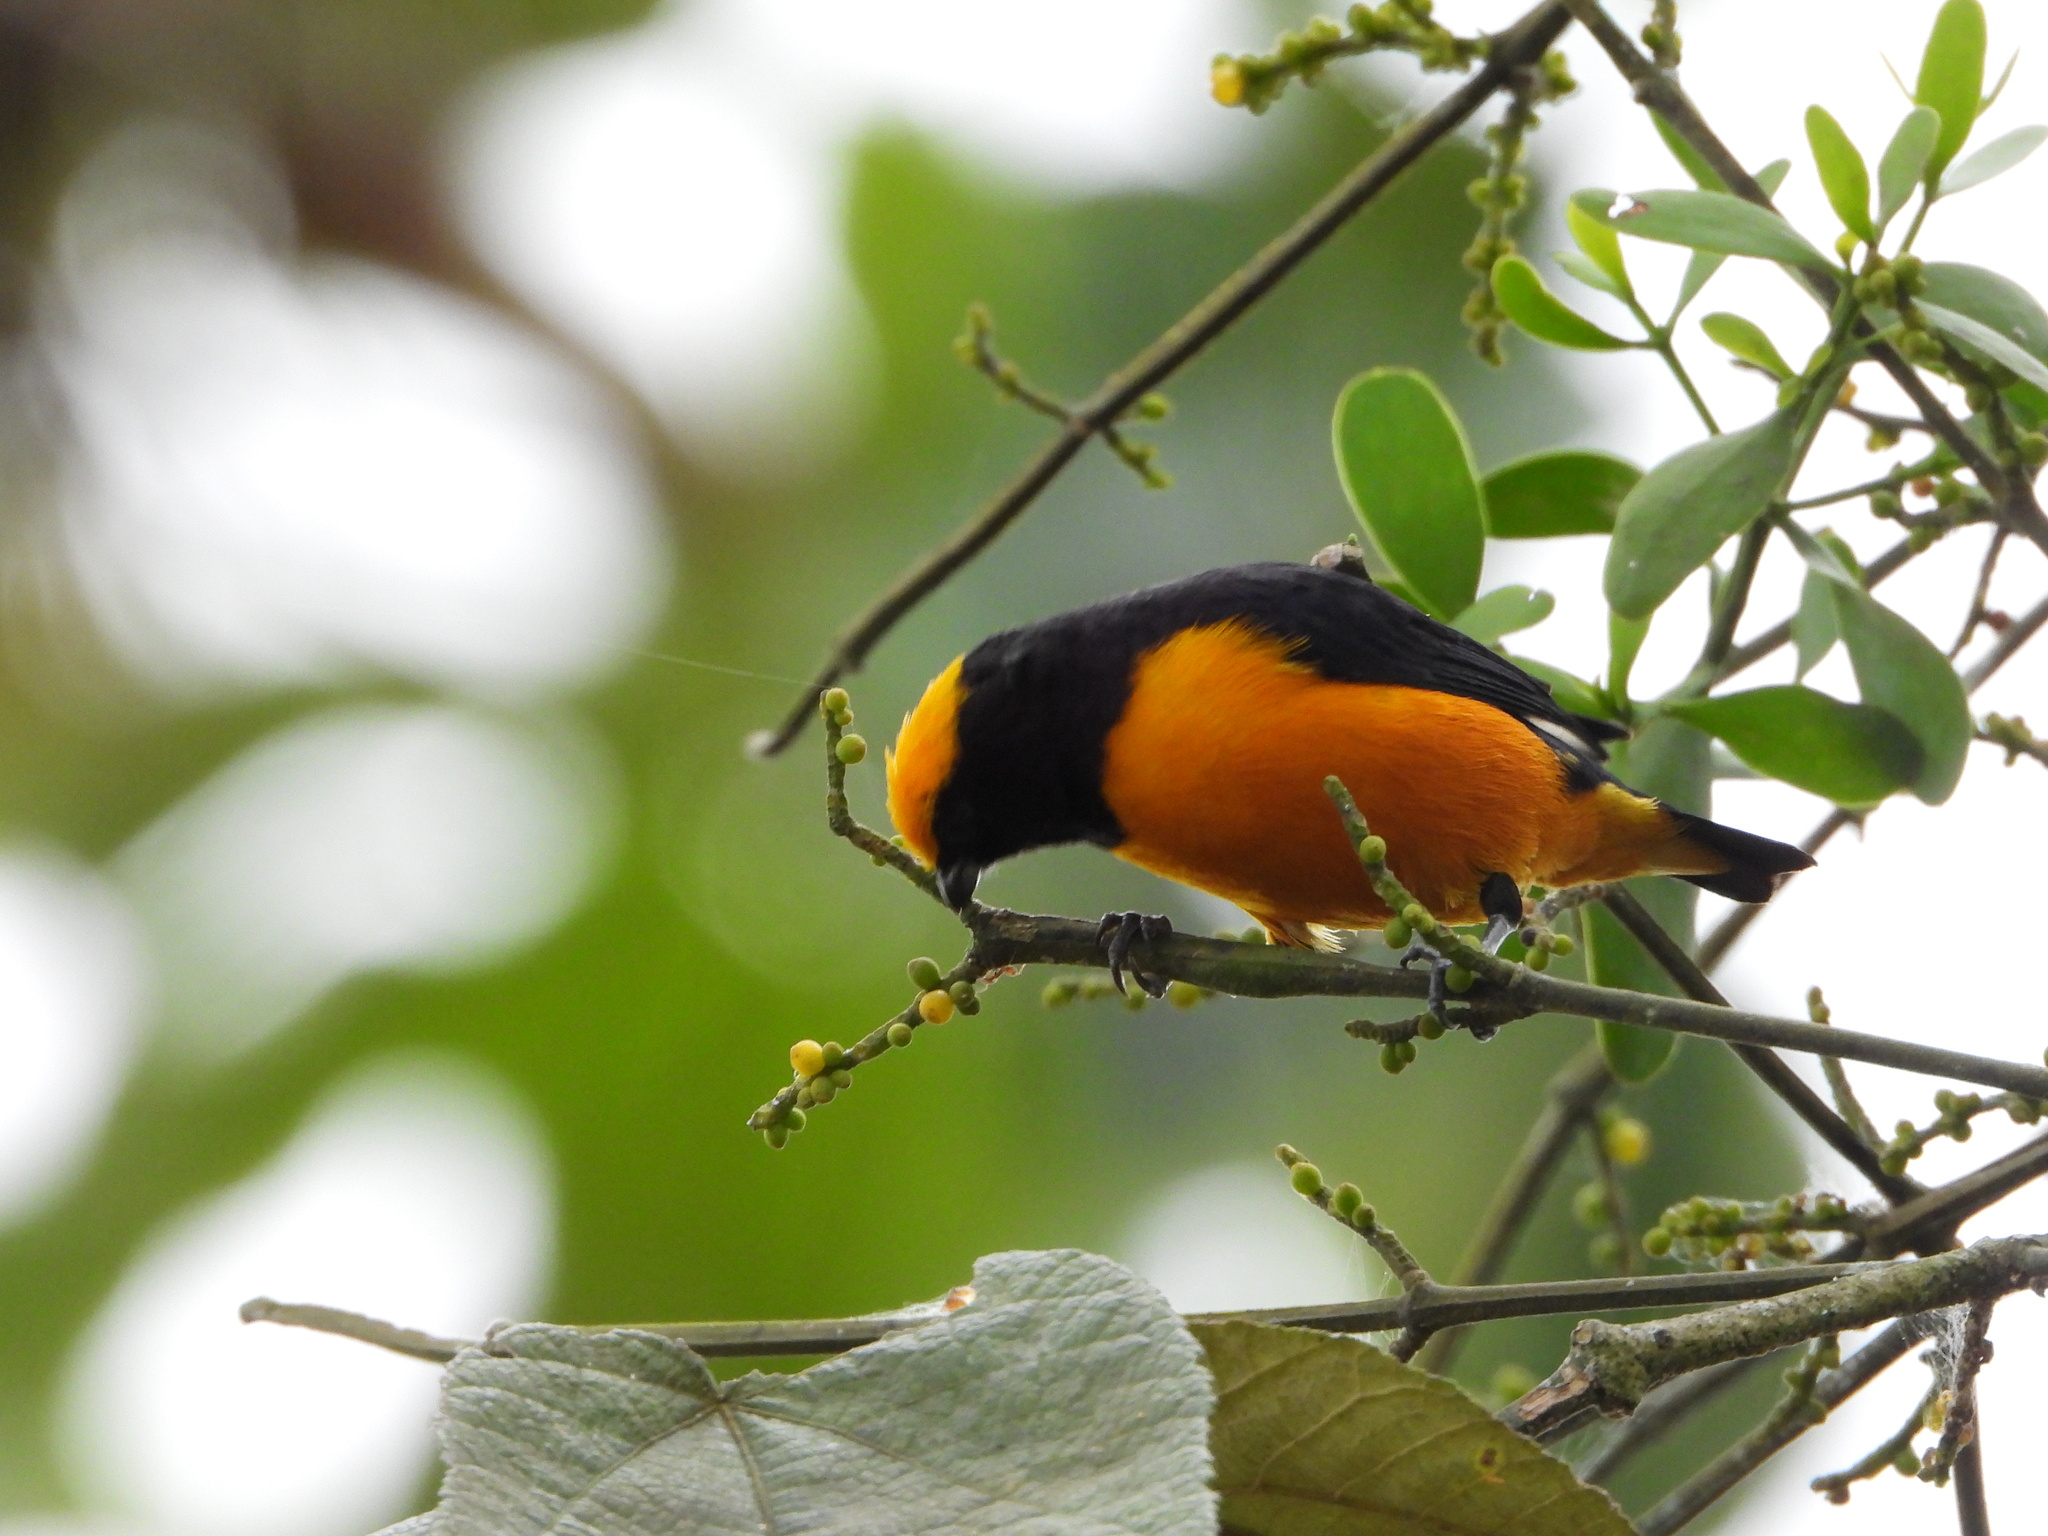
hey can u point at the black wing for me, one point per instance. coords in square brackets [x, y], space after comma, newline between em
[1352, 631]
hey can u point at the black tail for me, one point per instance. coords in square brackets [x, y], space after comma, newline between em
[1757, 866]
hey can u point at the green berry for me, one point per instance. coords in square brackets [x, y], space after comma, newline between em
[965, 998]
[1906, 1463]
[1058, 994]
[1183, 994]
[842, 1079]
[1537, 959]
[1135, 1000]
[1430, 1027]
[1094, 988]
[924, 973]
[1657, 1242]
[2033, 448]
[1416, 916]
[833, 700]
[777, 1136]
[1153, 407]
[1407, 1050]
[823, 1091]
[1605, 1251]
[1458, 979]
[1373, 849]
[851, 749]
[1561, 944]
[1347, 1200]
[1391, 1059]
[1397, 933]
[833, 1053]
[1307, 1179]
[900, 1033]
[1589, 1206]
[796, 1119]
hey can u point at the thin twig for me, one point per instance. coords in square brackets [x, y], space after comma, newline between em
[1880, 1458]
[1521, 44]
[1429, 1306]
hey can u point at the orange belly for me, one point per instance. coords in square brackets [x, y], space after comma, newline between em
[1216, 769]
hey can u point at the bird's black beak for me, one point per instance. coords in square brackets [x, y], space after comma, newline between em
[957, 883]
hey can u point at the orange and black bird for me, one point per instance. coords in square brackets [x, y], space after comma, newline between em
[1189, 727]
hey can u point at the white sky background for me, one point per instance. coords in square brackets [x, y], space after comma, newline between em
[673, 197]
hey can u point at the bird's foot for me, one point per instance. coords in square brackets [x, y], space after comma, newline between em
[1439, 986]
[1118, 932]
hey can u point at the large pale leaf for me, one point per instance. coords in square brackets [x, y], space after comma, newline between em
[1981, 338]
[1685, 508]
[1318, 1435]
[1853, 754]
[1066, 1397]
[1546, 495]
[1715, 222]
[1952, 77]
[1408, 470]
[1704, 264]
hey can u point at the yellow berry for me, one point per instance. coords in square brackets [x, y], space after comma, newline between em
[807, 1057]
[935, 1007]
[1627, 1141]
[1226, 81]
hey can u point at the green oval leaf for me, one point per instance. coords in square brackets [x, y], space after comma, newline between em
[1523, 299]
[1715, 222]
[1852, 754]
[1576, 263]
[1320, 1435]
[1901, 671]
[1814, 631]
[1843, 175]
[1746, 340]
[1989, 299]
[1503, 611]
[1591, 234]
[1905, 161]
[1952, 77]
[1548, 495]
[1685, 508]
[1981, 338]
[1625, 639]
[1704, 176]
[1994, 159]
[1408, 470]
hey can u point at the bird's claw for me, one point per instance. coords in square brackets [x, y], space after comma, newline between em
[1117, 933]
[1440, 993]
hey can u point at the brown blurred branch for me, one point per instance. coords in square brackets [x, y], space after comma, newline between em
[1521, 44]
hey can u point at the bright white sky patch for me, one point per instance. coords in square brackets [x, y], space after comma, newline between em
[71, 995]
[293, 474]
[1232, 1236]
[365, 838]
[672, 196]
[418, 1190]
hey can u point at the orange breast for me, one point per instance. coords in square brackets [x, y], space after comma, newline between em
[1216, 773]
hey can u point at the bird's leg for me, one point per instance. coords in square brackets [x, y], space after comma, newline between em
[1501, 900]
[1118, 932]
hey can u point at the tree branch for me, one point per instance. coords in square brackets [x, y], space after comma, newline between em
[1612, 1367]
[1521, 44]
